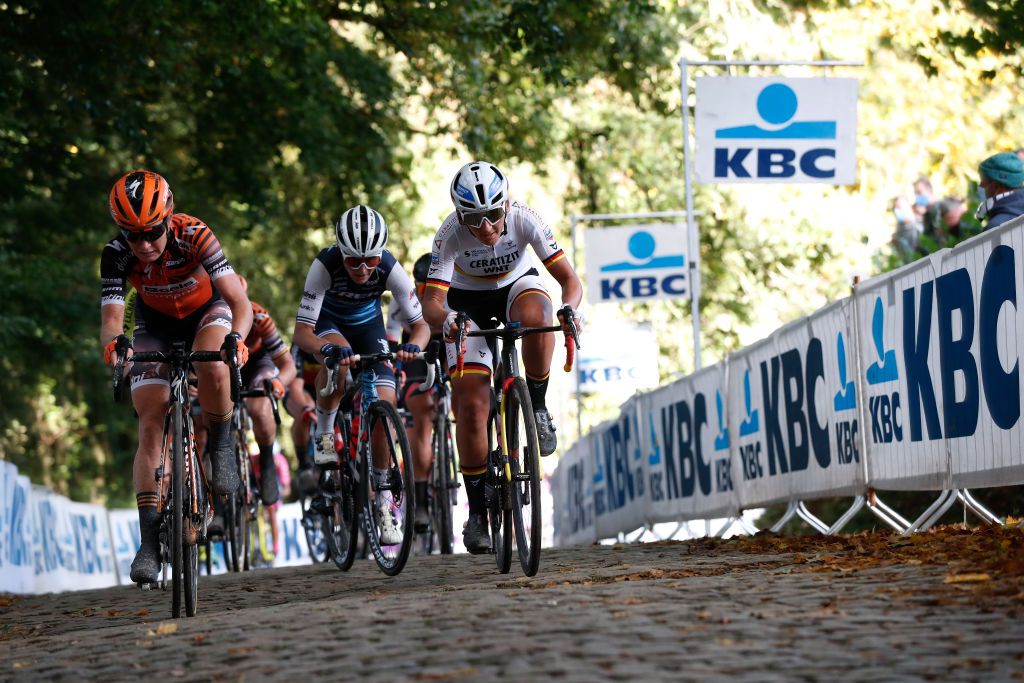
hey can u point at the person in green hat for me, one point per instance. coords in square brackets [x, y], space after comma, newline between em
[1001, 181]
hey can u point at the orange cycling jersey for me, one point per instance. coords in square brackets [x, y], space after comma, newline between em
[179, 282]
[264, 335]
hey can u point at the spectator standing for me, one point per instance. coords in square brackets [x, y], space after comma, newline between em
[907, 236]
[942, 221]
[1001, 181]
[924, 197]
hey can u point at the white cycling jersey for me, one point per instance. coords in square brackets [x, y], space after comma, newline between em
[460, 260]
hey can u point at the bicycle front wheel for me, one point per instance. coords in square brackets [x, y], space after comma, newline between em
[524, 468]
[177, 540]
[195, 512]
[389, 503]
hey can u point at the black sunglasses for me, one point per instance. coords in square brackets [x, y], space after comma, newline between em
[474, 219]
[151, 235]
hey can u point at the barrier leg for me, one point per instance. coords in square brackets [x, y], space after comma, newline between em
[885, 513]
[934, 512]
[979, 510]
[806, 515]
[858, 503]
[679, 527]
[786, 516]
[725, 527]
[748, 527]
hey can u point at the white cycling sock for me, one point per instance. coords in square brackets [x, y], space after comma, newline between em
[325, 420]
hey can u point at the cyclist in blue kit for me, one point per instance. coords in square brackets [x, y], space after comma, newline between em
[340, 315]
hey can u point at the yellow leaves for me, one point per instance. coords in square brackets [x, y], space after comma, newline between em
[966, 578]
[164, 629]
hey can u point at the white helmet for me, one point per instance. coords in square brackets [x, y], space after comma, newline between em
[361, 231]
[479, 186]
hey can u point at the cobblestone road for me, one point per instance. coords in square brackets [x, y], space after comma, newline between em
[670, 611]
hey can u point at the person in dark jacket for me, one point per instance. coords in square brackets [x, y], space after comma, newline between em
[1001, 180]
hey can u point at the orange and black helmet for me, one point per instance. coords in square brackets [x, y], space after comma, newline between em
[141, 200]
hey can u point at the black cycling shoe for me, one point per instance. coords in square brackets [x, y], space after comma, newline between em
[215, 527]
[269, 493]
[546, 437]
[307, 481]
[475, 535]
[146, 565]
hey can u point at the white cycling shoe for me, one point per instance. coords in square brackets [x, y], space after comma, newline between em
[325, 453]
[386, 516]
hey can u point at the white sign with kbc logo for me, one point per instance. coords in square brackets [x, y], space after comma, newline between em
[637, 262]
[776, 130]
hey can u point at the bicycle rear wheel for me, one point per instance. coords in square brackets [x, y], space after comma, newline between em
[501, 522]
[233, 543]
[177, 541]
[313, 527]
[441, 498]
[524, 466]
[390, 558]
[341, 527]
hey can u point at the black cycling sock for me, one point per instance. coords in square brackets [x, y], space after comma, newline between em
[220, 431]
[421, 494]
[538, 389]
[474, 480]
[149, 518]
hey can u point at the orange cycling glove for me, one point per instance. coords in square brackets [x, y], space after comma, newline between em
[110, 349]
[277, 388]
[241, 350]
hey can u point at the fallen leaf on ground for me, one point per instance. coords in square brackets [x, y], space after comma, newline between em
[966, 578]
[166, 628]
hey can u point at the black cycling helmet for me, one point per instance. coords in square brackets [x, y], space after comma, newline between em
[421, 268]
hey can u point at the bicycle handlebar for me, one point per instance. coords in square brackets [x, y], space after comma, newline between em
[431, 356]
[364, 360]
[168, 357]
[121, 350]
[515, 331]
[267, 390]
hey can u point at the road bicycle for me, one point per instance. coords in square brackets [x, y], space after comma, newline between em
[348, 492]
[443, 481]
[312, 520]
[183, 490]
[245, 506]
[512, 483]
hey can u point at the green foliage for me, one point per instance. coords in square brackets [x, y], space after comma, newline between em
[270, 117]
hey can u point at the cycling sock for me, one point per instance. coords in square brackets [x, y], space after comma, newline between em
[266, 456]
[325, 420]
[149, 518]
[538, 389]
[474, 479]
[421, 494]
[220, 429]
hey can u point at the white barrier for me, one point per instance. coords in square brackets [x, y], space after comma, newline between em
[17, 561]
[793, 401]
[49, 543]
[913, 383]
[572, 488]
[687, 440]
[72, 544]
